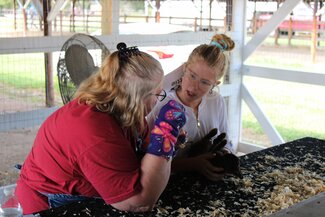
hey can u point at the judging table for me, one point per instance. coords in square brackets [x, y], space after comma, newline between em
[274, 179]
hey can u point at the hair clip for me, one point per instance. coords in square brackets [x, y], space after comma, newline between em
[222, 46]
[125, 52]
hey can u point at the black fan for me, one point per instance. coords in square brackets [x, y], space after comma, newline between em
[80, 56]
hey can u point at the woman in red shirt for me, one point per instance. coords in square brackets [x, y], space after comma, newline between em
[93, 146]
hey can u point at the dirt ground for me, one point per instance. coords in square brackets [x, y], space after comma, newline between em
[15, 145]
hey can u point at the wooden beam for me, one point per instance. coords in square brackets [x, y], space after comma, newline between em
[38, 6]
[54, 43]
[245, 147]
[55, 10]
[261, 117]
[26, 4]
[285, 75]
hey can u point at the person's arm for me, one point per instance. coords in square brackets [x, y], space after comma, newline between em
[120, 179]
[183, 164]
[155, 173]
[151, 117]
[156, 164]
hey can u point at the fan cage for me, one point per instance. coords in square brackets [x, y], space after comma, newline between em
[97, 50]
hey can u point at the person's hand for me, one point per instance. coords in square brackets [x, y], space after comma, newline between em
[223, 158]
[203, 165]
[163, 137]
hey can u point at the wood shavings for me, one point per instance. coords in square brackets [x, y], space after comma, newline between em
[293, 185]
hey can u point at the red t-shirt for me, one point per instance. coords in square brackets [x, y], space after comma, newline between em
[80, 151]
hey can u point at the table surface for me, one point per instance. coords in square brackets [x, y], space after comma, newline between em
[312, 207]
[287, 170]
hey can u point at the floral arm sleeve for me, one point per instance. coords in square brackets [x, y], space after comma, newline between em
[163, 136]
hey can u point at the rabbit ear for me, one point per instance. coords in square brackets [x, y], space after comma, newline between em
[218, 143]
[211, 134]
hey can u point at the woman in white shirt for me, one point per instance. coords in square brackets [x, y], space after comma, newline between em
[205, 108]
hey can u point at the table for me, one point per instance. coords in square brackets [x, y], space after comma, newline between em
[311, 207]
[272, 180]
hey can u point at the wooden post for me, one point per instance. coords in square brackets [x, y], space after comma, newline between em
[313, 48]
[55, 25]
[157, 11]
[290, 31]
[277, 30]
[73, 16]
[107, 17]
[229, 4]
[254, 19]
[61, 21]
[201, 12]
[84, 15]
[87, 24]
[254, 23]
[49, 85]
[195, 24]
[210, 16]
[15, 18]
[25, 21]
[276, 36]
[235, 72]
[319, 25]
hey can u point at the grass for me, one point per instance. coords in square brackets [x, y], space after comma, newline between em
[296, 110]
[24, 71]
[292, 128]
[14, 71]
[22, 79]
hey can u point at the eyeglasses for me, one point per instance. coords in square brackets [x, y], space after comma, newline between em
[161, 96]
[203, 84]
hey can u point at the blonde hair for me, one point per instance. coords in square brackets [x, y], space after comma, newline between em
[213, 55]
[120, 86]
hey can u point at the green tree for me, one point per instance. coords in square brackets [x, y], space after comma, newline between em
[6, 4]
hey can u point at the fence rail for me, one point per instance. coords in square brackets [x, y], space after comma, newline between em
[88, 22]
[12, 24]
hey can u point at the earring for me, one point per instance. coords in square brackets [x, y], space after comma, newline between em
[211, 90]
